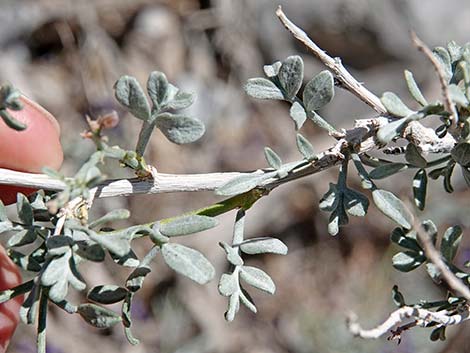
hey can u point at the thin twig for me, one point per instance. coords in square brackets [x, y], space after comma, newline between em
[435, 257]
[164, 183]
[421, 46]
[361, 136]
[335, 65]
[421, 317]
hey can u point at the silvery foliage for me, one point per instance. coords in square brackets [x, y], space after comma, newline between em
[342, 201]
[54, 259]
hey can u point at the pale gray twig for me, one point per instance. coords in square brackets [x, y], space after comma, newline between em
[420, 317]
[435, 257]
[448, 105]
[335, 65]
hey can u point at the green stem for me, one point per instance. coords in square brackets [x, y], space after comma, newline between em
[144, 137]
[243, 201]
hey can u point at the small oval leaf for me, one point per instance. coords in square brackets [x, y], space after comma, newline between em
[420, 183]
[272, 158]
[298, 114]
[392, 207]
[450, 242]
[414, 89]
[389, 131]
[188, 262]
[263, 245]
[414, 157]
[187, 225]
[386, 170]
[129, 93]
[407, 261]
[98, 316]
[262, 88]
[305, 147]
[319, 91]
[291, 75]
[394, 105]
[257, 278]
[180, 129]
[107, 294]
[461, 154]
[157, 87]
[272, 70]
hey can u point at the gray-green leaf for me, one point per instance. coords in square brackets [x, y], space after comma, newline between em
[298, 114]
[291, 75]
[180, 129]
[59, 273]
[442, 55]
[305, 147]
[386, 170]
[24, 209]
[272, 70]
[272, 158]
[414, 89]
[355, 203]
[157, 87]
[181, 100]
[330, 200]
[232, 254]
[457, 96]
[130, 94]
[257, 278]
[188, 262]
[420, 183]
[407, 261]
[228, 284]
[187, 225]
[114, 215]
[263, 245]
[461, 154]
[262, 88]
[107, 294]
[389, 131]
[414, 157]
[392, 207]
[319, 91]
[450, 242]
[407, 240]
[98, 316]
[394, 105]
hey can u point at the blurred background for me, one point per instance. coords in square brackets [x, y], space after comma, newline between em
[67, 54]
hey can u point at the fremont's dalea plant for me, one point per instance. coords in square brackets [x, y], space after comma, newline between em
[57, 221]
